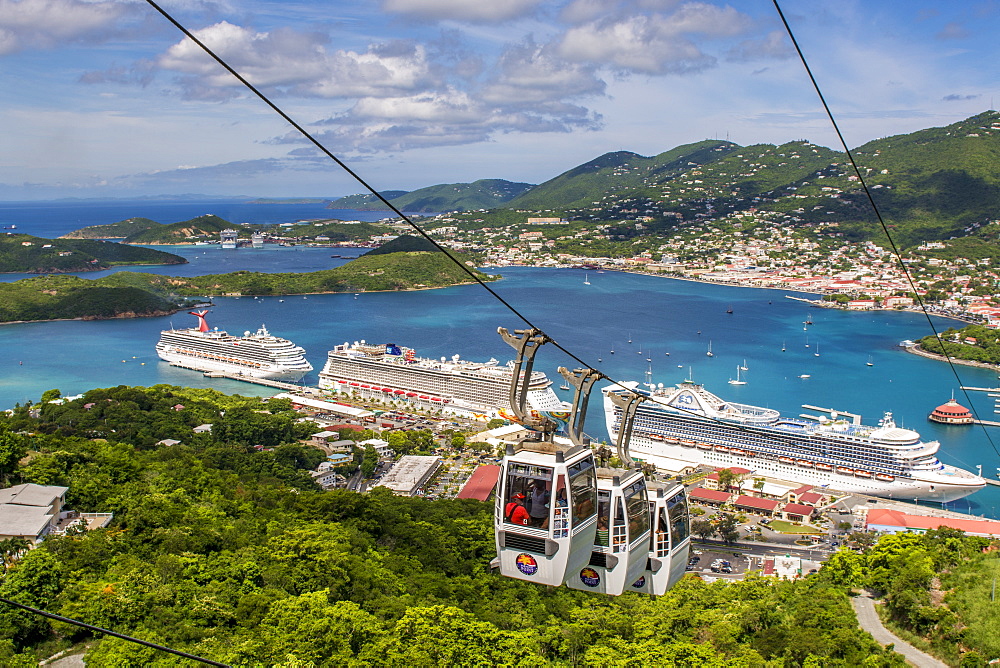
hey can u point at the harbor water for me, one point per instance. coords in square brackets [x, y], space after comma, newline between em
[670, 323]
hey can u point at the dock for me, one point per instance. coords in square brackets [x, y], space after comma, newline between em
[281, 385]
[979, 389]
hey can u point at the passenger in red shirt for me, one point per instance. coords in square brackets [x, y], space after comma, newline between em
[516, 513]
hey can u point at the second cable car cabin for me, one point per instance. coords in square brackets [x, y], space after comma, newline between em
[620, 550]
[669, 542]
[546, 511]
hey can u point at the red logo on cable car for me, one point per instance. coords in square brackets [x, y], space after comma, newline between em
[590, 577]
[527, 564]
[640, 583]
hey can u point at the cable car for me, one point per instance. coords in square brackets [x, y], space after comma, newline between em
[546, 511]
[669, 541]
[621, 545]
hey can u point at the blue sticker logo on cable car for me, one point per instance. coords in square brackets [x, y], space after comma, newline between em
[590, 577]
[640, 583]
[527, 564]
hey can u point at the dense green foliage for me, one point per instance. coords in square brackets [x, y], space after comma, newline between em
[936, 586]
[230, 552]
[184, 232]
[335, 231]
[25, 254]
[58, 297]
[119, 230]
[126, 294]
[406, 243]
[975, 343]
[481, 194]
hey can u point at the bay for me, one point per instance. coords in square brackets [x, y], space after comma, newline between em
[659, 315]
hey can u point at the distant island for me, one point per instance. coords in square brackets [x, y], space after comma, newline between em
[481, 194]
[25, 254]
[129, 294]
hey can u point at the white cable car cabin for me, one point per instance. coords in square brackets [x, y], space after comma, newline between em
[621, 544]
[545, 518]
[670, 540]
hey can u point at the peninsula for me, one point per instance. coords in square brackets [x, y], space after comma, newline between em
[130, 294]
[25, 254]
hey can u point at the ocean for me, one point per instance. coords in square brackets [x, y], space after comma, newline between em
[670, 323]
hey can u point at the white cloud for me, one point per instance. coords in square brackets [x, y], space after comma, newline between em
[296, 63]
[774, 45]
[654, 43]
[528, 74]
[27, 24]
[473, 11]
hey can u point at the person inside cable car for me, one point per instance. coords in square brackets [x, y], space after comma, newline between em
[539, 509]
[515, 512]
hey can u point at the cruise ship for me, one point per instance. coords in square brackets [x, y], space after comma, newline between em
[390, 372]
[690, 424]
[259, 355]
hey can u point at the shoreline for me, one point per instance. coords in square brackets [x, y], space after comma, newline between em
[917, 350]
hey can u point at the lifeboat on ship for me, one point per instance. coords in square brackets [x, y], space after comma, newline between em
[686, 443]
[704, 446]
[823, 467]
[786, 460]
[884, 477]
[845, 470]
[722, 448]
[805, 463]
[655, 437]
[863, 474]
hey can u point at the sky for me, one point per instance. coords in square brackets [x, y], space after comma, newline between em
[108, 99]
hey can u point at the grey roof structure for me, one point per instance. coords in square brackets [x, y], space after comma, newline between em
[26, 521]
[30, 494]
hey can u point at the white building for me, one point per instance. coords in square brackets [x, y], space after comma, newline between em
[409, 474]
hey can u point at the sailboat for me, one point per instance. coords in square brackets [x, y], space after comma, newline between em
[817, 350]
[744, 366]
[737, 381]
[870, 363]
[782, 346]
[710, 353]
[564, 386]
[586, 279]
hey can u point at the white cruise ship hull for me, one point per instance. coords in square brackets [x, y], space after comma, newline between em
[209, 366]
[939, 488]
[691, 426]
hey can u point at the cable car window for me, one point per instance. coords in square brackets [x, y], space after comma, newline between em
[603, 518]
[638, 511]
[560, 510]
[618, 537]
[527, 487]
[677, 510]
[582, 491]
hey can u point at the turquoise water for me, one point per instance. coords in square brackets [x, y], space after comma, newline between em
[659, 315]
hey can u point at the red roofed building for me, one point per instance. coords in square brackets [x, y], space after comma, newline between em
[811, 499]
[951, 413]
[796, 512]
[712, 479]
[481, 483]
[755, 505]
[894, 521]
[711, 497]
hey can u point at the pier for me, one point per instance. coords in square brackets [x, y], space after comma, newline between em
[281, 385]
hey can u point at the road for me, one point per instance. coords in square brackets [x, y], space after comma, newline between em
[868, 620]
[766, 549]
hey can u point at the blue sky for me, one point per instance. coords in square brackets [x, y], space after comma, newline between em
[104, 98]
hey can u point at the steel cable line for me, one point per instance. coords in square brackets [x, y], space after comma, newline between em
[91, 627]
[878, 215]
[307, 135]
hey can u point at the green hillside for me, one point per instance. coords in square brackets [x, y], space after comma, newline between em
[617, 174]
[184, 232]
[365, 202]
[119, 230]
[25, 254]
[481, 194]
[404, 244]
[127, 294]
[62, 297]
